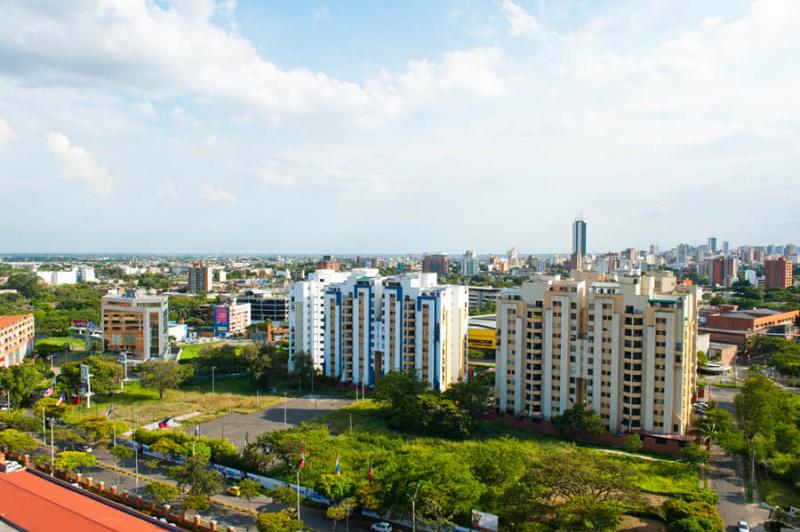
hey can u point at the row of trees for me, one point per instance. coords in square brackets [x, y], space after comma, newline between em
[781, 354]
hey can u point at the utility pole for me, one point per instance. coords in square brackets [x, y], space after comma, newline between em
[52, 450]
[298, 493]
[125, 364]
[213, 369]
[414, 508]
[44, 429]
[285, 424]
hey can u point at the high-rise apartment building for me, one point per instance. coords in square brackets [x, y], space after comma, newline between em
[375, 325]
[623, 346]
[469, 264]
[16, 338]
[436, 263]
[777, 273]
[231, 319]
[726, 247]
[306, 318]
[137, 324]
[201, 278]
[722, 271]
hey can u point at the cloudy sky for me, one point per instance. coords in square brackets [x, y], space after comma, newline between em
[375, 126]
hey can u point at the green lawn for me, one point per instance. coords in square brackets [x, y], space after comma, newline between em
[76, 344]
[190, 351]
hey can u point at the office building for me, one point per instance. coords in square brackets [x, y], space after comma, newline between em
[436, 263]
[137, 324]
[375, 325]
[201, 279]
[777, 273]
[265, 305]
[578, 243]
[482, 298]
[726, 247]
[469, 264]
[712, 244]
[722, 271]
[16, 338]
[328, 262]
[306, 318]
[59, 278]
[623, 346]
[729, 325]
[231, 319]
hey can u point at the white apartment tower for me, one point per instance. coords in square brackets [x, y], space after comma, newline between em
[306, 318]
[375, 325]
[469, 264]
[624, 346]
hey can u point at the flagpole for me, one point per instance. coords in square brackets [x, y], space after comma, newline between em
[44, 428]
[298, 493]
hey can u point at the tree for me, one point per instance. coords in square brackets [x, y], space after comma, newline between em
[27, 284]
[702, 358]
[121, 453]
[633, 443]
[473, 395]
[97, 430]
[74, 460]
[259, 363]
[249, 489]
[335, 487]
[162, 492]
[340, 511]
[278, 522]
[106, 374]
[303, 368]
[695, 454]
[284, 495]
[197, 480]
[20, 381]
[164, 374]
[578, 419]
[17, 441]
[584, 513]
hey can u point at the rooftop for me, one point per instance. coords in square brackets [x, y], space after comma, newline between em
[8, 321]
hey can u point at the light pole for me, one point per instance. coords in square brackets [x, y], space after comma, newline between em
[213, 369]
[52, 449]
[125, 365]
[284, 410]
[298, 493]
[414, 508]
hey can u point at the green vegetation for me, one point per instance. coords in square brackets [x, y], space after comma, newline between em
[17, 441]
[190, 351]
[162, 492]
[197, 481]
[278, 522]
[163, 374]
[21, 381]
[782, 354]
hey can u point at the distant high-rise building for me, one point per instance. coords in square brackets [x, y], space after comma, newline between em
[712, 244]
[726, 247]
[436, 263]
[623, 346]
[469, 264]
[513, 258]
[751, 277]
[790, 249]
[328, 262]
[683, 254]
[201, 278]
[722, 271]
[578, 243]
[654, 249]
[777, 273]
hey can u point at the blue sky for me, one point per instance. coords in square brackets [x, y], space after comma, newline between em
[201, 126]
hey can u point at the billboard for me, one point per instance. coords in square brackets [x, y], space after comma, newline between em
[480, 338]
[81, 324]
[484, 521]
[222, 320]
[85, 378]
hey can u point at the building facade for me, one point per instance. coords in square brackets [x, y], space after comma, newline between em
[16, 338]
[623, 346]
[266, 305]
[436, 263]
[578, 243]
[777, 273]
[136, 324]
[469, 264]
[201, 278]
[722, 271]
[375, 325]
[231, 319]
[306, 313]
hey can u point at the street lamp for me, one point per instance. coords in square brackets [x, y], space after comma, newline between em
[52, 448]
[213, 369]
[414, 508]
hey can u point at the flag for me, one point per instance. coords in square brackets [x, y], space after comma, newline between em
[49, 392]
[369, 472]
[110, 410]
[197, 430]
[302, 462]
[338, 469]
[76, 399]
[60, 400]
[164, 423]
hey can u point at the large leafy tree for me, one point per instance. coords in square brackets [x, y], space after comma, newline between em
[197, 480]
[162, 492]
[74, 460]
[578, 419]
[164, 374]
[278, 522]
[473, 395]
[17, 441]
[106, 374]
[97, 430]
[20, 381]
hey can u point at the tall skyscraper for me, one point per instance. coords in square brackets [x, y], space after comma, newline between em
[624, 346]
[200, 278]
[722, 271]
[578, 243]
[712, 244]
[469, 264]
[726, 247]
[777, 272]
[374, 325]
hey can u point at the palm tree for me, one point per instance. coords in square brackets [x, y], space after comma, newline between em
[706, 430]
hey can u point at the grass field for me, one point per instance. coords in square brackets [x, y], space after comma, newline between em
[144, 403]
[191, 351]
[76, 344]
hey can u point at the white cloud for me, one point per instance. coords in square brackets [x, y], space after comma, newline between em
[216, 195]
[273, 173]
[522, 22]
[147, 109]
[183, 117]
[80, 165]
[6, 133]
[321, 13]
[167, 190]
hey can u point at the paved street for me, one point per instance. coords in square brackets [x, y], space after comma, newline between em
[726, 478]
[235, 426]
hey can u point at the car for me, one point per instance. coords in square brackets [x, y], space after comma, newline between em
[234, 490]
[85, 448]
[381, 526]
[701, 403]
[742, 526]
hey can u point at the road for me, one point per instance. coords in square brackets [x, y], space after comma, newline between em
[726, 479]
[235, 427]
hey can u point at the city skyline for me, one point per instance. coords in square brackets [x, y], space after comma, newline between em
[245, 127]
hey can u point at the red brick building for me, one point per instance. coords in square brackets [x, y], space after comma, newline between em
[777, 273]
[732, 326]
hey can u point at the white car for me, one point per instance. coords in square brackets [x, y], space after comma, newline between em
[381, 526]
[742, 526]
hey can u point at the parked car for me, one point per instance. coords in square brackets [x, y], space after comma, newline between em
[381, 526]
[234, 490]
[85, 448]
[742, 526]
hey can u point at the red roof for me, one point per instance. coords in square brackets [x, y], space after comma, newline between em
[7, 321]
[34, 503]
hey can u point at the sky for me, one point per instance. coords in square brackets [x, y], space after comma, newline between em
[366, 126]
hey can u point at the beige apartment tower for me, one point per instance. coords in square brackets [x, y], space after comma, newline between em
[622, 345]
